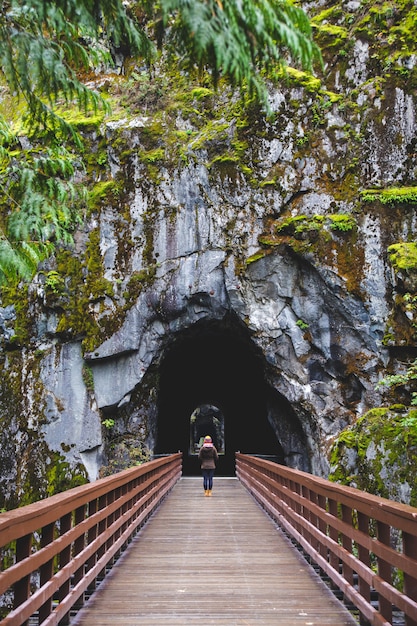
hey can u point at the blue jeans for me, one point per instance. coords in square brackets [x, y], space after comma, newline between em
[208, 478]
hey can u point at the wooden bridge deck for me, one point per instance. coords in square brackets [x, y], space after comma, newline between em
[218, 560]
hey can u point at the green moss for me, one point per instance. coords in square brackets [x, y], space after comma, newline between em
[330, 35]
[85, 287]
[103, 190]
[342, 222]
[256, 257]
[391, 195]
[137, 283]
[330, 238]
[61, 476]
[125, 452]
[300, 224]
[333, 12]
[152, 156]
[201, 93]
[87, 375]
[308, 81]
[403, 256]
[269, 241]
[18, 296]
[83, 121]
[224, 159]
[293, 224]
[213, 132]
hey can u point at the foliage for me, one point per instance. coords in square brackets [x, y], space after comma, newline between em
[88, 378]
[54, 282]
[239, 39]
[44, 44]
[38, 202]
[407, 378]
[343, 223]
[43, 48]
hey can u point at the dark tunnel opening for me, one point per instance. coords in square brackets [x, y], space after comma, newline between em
[214, 364]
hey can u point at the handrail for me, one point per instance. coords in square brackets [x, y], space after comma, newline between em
[55, 550]
[367, 545]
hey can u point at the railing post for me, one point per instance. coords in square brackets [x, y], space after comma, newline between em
[347, 542]
[46, 570]
[111, 496]
[364, 556]
[384, 570]
[334, 534]
[22, 587]
[316, 543]
[410, 582]
[322, 501]
[79, 545]
[101, 529]
[296, 506]
[91, 536]
[305, 511]
[64, 558]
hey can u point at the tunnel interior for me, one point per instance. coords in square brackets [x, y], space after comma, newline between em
[212, 378]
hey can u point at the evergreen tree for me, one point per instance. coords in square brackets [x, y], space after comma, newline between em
[46, 45]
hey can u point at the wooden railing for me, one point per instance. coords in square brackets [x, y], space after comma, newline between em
[366, 545]
[55, 550]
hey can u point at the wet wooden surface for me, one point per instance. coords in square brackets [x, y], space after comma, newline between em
[218, 560]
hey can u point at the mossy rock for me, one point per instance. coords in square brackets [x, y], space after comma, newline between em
[125, 452]
[301, 224]
[378, 454]
[391, 195]
[403, 256]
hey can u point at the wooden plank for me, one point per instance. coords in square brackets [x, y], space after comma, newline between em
[218, 560]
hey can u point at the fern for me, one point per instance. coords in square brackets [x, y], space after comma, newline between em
[40, 203]
[240, 39]
[44, 44]
[20, 259]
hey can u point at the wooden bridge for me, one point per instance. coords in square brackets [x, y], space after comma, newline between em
[145, 547]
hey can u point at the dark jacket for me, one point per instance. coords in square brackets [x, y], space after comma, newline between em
[208, 456]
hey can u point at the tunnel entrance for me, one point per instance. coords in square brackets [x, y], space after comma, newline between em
[206, 420]
[214, 371]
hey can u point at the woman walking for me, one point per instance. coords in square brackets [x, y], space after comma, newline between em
[208, 458]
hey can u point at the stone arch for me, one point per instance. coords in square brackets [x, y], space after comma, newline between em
[216, 363]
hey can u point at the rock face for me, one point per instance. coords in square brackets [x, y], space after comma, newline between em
[242, 268]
